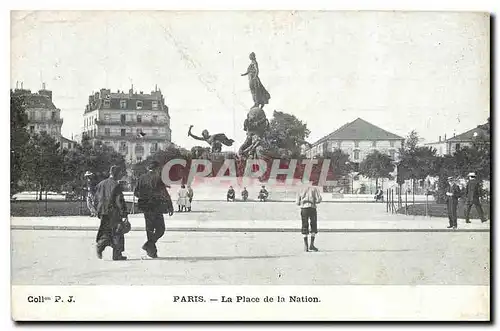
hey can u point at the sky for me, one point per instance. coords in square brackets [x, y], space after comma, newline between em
[401, 71]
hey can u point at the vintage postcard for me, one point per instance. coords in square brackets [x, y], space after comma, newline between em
[250, 166]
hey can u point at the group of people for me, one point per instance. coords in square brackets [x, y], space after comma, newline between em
[471, 193]
[231, 194]
[185, 198]
[106, 201]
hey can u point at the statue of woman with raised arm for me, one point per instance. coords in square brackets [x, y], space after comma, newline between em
[259, 93]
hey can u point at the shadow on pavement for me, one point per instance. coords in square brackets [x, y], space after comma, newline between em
[209, 258]
[366, 250]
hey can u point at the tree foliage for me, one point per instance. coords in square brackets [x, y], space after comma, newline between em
[376, 165]
[19, 138]
[288, 132]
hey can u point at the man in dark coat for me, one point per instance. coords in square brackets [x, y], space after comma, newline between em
[154, 200]
[472, 194]
[112, 211]
[453, 193]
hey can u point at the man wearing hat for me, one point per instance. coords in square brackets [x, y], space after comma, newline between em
[91, 187]
[112, 211]
[153, 201]
[472, 194]
[453, 193]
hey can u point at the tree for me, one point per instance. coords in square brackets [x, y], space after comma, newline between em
[416, 162]
[376, 165]
[288, 132]
[90, 156]
[19, 138]
[44, 163]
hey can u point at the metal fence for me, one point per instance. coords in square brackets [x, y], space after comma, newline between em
[398, 202]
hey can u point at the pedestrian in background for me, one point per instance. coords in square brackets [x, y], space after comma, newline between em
[153, 201]
[190, 196]
[91, 189]
[453, 194]
[112, 211]
[183, 198]
[308, 197]
[472, 195]
[231, 194]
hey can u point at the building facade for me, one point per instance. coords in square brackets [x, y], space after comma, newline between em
[358, 139]
[134, 124]
[466, 139]
[43, 115]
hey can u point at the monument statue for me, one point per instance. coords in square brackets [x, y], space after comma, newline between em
[259, 93]
[215, 141]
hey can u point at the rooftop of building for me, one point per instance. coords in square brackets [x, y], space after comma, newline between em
[359, 129]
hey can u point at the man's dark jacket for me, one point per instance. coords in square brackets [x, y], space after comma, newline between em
[152, 193]
[110, 200]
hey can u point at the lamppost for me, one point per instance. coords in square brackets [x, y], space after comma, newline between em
[399, 179]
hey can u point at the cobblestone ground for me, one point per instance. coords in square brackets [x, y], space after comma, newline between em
[68, 257]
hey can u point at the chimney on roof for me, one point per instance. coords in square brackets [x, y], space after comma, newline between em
[439, 138]
[445, 137]
[131, 91]
[43, 86]
[156, 87]
[17, 84]
[21, 85]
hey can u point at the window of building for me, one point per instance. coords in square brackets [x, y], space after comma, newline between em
[154, 147]
[107, 117]
[356, 143]
[43, 116]
[32, 128]
[139, 119]
[457, 147]
[107, 131]
[155, 132]
[53, 115]
[107, 103]
[122, 132]
[392, 154]
[123, 118]
[155, 118]
[95, 132]
[123, 104]
[356, 155]
[139, 158]
[139, 149]
[139, 104]
[155, 105]
[392, 143]
[374, 143]
[95, 120]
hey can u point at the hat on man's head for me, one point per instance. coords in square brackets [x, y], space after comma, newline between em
[450, 178]
[153, 165]
[114, 171]
[471, 174]
[88, 173]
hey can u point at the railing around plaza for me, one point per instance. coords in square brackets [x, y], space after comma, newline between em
[398, 202]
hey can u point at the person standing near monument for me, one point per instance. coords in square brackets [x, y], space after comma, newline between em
[112, 211]
[453, 193]
[307, 199]
[153, 200]
[260, 95]
[472, 194]
[190, 195]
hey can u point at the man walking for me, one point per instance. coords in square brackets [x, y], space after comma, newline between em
[472, 194]
[112, 211]
[153, 200]
[453, 193]
[307, 198]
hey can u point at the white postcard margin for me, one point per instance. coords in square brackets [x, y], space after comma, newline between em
[238, 303]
